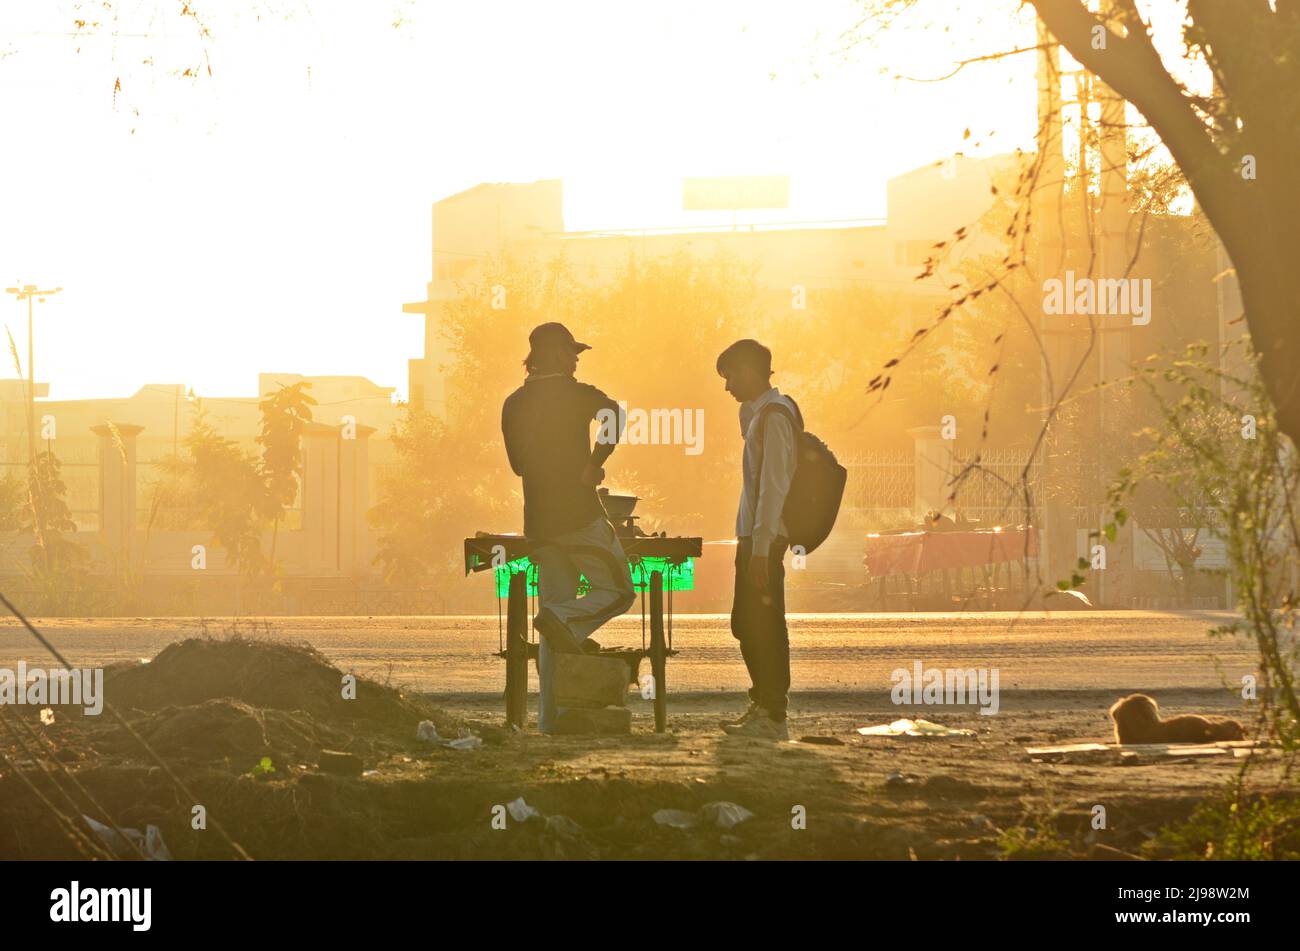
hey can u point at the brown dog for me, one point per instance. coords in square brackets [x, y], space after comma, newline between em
[1137, 720]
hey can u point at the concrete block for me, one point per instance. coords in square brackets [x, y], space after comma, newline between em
[607, 721]
[590, 682]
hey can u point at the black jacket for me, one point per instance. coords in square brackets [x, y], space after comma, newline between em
[547, 428]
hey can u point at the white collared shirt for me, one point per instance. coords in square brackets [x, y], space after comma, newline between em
[759, 515]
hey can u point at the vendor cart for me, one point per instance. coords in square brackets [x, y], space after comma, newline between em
[658, 564]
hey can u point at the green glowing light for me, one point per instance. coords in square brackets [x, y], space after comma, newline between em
[677, 576]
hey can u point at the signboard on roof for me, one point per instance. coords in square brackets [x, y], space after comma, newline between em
[733, 192]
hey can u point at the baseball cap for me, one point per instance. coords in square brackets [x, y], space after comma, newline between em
[552, 333]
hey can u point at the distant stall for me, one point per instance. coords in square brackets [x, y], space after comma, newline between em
[946, 566]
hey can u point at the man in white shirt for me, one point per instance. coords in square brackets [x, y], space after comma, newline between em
[770, 423]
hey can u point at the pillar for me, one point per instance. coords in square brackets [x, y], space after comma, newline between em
[117, 489]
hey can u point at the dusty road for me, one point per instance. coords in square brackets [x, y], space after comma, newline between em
[972, 797]
[843, 653]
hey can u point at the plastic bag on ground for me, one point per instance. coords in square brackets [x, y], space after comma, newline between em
[150, 843]
[520, 811]
[426, 732]
[906, 727]
[725, 815]
[676, 819]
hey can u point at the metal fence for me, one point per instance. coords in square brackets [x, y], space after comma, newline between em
[881, 487]
[881, 479]
[994, 486]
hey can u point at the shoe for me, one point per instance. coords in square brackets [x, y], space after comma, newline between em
[761, 727]
[556, 633]
[745, 717]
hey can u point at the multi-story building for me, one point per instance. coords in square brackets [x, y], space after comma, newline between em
[527, 220]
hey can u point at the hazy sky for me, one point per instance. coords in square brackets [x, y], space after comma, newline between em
[274, 215]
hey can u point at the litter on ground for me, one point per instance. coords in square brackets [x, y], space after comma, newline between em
[427, 732]
[676, 819]
[520, 811]
[723, 814]
[907, 727]
[150, 843]
[1135, 752]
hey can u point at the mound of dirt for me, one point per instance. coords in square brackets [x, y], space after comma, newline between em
[267, 676]
[210, 730]
[222, 705]
[227, 729]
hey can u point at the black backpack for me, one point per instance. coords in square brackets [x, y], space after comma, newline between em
[816, 489]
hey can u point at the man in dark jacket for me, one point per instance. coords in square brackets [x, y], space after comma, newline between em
[547, 428]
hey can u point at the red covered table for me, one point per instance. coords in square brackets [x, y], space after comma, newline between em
[912, 554]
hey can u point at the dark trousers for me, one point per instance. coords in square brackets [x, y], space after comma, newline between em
[758, 622]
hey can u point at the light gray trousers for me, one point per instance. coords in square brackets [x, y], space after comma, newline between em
[595, 553]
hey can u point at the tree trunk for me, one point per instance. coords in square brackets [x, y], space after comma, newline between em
[1257, 218]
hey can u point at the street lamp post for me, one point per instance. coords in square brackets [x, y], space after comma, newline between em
[27, 292]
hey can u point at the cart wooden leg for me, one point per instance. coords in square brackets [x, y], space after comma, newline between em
[517, 651]
[658, 650]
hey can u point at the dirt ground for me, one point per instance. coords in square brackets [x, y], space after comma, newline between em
[214, 707]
